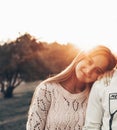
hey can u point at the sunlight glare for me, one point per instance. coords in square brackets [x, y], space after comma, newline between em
[84, 24]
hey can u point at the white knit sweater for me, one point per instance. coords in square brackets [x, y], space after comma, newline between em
[54, 108]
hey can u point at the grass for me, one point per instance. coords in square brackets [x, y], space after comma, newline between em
[13, 112]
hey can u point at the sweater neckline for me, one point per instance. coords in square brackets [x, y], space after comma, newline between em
[72, 95]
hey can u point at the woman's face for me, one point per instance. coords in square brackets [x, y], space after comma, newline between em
[90, 68]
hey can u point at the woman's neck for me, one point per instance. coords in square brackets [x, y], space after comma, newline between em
[73, 85]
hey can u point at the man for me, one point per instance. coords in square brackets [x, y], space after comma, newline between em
[101, 111]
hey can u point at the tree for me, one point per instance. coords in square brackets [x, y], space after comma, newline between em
[12, 57]
[27, 59]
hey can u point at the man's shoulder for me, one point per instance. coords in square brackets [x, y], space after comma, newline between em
[100, 82]
[105, 82]
[114, 77]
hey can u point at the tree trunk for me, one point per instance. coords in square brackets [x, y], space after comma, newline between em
[9, 92]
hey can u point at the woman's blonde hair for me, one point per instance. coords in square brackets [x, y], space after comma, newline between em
[69, 71]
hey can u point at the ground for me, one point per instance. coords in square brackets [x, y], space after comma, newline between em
[13, 112]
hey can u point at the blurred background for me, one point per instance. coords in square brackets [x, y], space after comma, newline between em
[84, 23]
[24, 63]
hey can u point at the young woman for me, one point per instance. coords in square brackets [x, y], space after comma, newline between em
[59, 103]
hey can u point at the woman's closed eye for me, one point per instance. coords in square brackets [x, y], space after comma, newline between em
[98, 71]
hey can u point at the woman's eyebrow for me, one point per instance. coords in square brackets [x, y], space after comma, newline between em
[90, 59]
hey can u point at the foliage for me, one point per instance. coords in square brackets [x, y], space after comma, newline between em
[27, 59]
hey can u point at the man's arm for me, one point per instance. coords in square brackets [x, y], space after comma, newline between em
[94, 110]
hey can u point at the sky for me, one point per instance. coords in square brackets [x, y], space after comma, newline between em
[84, 23]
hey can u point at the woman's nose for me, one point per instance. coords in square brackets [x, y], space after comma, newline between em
[89, 70]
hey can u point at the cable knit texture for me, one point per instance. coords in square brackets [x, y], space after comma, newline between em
[54, 108]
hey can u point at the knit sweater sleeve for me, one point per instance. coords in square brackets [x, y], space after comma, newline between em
[39, 108]
[94, 110]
